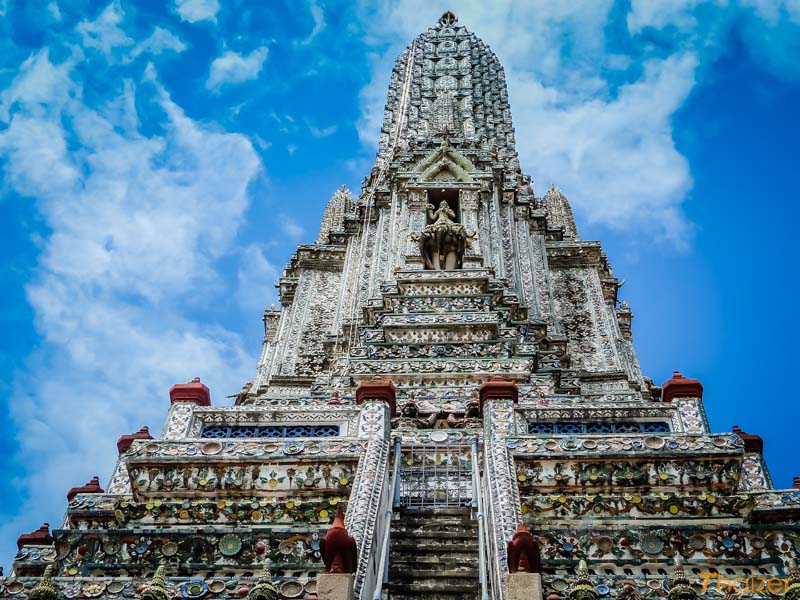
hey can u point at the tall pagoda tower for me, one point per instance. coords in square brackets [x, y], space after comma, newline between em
[451, 369]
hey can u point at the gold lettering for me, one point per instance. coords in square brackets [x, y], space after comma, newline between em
[707, 577]
[775, 585]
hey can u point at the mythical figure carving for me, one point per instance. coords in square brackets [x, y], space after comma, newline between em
[409, 417]
[443, 242]
[523, 552]
[338, 548]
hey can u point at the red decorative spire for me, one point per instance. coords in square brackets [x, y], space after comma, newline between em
[498, 388]
[796, 483]
[681, 387]
[40, 537]
[93, 487]
[377, 389]
[338, 548]
[125, 441]
[194, 391]
[752, 442]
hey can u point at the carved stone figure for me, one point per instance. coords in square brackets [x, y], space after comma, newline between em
[443, 242]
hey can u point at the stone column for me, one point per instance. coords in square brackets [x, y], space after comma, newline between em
[469, 200]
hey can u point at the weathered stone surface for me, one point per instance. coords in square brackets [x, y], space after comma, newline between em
[335, 586]
[523, 586]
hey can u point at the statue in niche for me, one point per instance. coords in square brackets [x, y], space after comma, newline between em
[410, 418]
[443, 241]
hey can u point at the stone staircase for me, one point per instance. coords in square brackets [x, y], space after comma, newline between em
[434, 555]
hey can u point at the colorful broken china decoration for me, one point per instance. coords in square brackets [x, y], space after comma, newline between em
[449, 311]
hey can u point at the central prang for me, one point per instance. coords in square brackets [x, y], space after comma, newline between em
[443, 241]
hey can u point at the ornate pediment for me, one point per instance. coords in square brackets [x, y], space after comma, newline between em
[445, 164]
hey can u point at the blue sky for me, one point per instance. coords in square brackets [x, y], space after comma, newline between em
[159, 161]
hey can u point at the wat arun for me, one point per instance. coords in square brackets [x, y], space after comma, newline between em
[448, 404]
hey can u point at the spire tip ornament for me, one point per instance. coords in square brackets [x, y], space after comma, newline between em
[45, 590]
[583, 588]
[680, 588]
[264, 589]
[157, 590]
[448, 19]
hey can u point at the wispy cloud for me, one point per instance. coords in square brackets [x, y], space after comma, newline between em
[137, 222]
[197, 10]
[161, 40]
[318, 132]
[290, 227]
[318, 17]
[256, 277]
[233, 68]
[104, 33]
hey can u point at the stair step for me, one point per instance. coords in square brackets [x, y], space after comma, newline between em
[412, 547]
[400, 575]
[435, 535]
[458, 524]
[433, 596]
[435, 512]
[450, 558]
[415, 590]
[433, 555]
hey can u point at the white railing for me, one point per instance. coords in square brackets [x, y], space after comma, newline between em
[389, 500]
[478, 502]
[494, 574]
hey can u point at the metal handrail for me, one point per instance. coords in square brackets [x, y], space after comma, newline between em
[392, 502]
[477, 498]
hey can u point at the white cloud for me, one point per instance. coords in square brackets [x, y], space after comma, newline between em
[645, 13]
[615, 156]
[54, 11]
[320, 132]
[318, 16]
[291, 228]
[137, 224]
[230, 68]
[104, 33]
[256, 278]
[160, 41]
[197, 10]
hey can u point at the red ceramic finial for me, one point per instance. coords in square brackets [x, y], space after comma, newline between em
[378, 389]
[39, 537]
[752, 442]
[125, 441]
[338, 548]
[194, 391]
[681, 387]
[498, 388]
[92, 487]
[523, 552]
